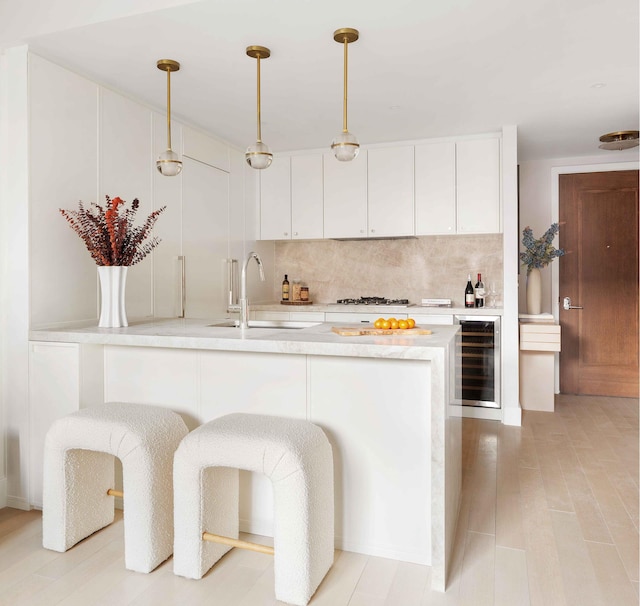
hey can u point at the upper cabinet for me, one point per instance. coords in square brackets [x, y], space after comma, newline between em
[307, 197]
[478, 186]
[345, 197]
[275, 200]
[390, 192]
[435, 188]
[432, 188]
[291, 198]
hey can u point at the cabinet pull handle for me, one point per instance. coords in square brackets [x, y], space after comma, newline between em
[232, 282]
[183, 286]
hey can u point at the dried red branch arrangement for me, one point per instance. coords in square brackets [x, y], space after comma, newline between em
[109, 233]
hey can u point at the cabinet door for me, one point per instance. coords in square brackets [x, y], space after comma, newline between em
[54, 391]
[64, 291]
[203, 148]
[435, 188]
[478, 186]
[126, 165]
[306, 197]
[167, 191]
[390, 192]
[275, 200]
[345, 197]
[205, 210]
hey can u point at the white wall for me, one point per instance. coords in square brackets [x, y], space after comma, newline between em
[536, 207]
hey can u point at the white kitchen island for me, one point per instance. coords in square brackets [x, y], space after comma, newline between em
[386, 403]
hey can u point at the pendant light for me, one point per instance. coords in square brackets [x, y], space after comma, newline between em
[623, 139]
[258, 155]
[168, 162]
[345, 146]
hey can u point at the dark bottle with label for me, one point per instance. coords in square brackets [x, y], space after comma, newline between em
[285, 288]
[479, 292]
[469, 296]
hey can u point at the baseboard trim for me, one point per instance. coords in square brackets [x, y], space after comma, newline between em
[479, 412]
[18, 503]
[3, 492]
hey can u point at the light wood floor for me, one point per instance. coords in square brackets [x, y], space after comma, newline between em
[549, 517]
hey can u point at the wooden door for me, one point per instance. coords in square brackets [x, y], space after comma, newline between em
[599, 232]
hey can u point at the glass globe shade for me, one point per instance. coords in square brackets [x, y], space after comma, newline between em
[345, 146]
[259, 156]
[168, 163]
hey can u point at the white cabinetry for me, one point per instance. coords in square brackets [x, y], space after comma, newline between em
[379, 430]
[291, 198]
[205, 149]
[390, 192]
[458, 187]
[205, 217]
[345, 197]
[306, 197]
[125, 171]
[63, 164]
[275, 200]
[435, 198]
[478, 186]
[54, 391]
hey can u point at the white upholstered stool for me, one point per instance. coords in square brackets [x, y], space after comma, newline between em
[79, 471]
[296, 456]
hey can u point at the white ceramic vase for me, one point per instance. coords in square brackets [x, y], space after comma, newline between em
[113, 281]
[534, 292]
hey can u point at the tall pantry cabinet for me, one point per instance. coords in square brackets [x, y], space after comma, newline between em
[105, 144]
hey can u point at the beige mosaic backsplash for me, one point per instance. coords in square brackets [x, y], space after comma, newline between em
[413, 268]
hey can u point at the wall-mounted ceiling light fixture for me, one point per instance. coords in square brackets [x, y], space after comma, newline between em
[623, 139]
[168, 163]
[258, 155]
[345, 146]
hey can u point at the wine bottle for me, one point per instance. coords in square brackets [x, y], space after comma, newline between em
[285, 288]
[479, 292]
[469, 297]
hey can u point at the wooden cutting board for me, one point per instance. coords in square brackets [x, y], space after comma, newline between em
[355, 331]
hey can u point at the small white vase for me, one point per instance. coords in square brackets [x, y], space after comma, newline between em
[113, 282]
[534, 292]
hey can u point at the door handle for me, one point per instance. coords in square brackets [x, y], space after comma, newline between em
[566, 304]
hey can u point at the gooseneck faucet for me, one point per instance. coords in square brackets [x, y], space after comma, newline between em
[244, 303]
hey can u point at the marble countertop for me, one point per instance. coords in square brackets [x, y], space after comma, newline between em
[383, 310]
[197, 334]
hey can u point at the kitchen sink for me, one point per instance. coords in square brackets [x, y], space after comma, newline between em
[290, 324]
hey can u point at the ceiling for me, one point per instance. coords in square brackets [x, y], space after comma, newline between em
[564, 71]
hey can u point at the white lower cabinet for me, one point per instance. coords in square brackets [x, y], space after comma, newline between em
[378, 424]
[375, 412]
[362, 318]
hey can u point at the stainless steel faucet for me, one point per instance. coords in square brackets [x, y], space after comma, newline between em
[243, 306]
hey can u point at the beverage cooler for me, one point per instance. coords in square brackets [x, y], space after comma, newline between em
[478, 360]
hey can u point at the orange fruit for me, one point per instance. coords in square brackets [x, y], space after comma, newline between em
[378, 322]
[386, 324]
[393, 323]
[411, 322]
[403, 324]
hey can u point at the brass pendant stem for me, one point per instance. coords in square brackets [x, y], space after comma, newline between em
[344, 104]
[258, 101]
[168, 109]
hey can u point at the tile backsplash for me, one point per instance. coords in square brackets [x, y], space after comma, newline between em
[412, 268]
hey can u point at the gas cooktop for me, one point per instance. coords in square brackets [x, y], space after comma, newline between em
[374, 301]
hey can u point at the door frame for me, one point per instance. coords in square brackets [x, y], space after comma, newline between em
[556, 171]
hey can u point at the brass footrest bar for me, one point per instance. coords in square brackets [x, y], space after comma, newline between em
[115, 493]
[214, 538]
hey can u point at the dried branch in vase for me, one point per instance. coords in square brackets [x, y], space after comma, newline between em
[109, 233]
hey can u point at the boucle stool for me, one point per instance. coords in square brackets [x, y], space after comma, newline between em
[79, 475]
[296, 456]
